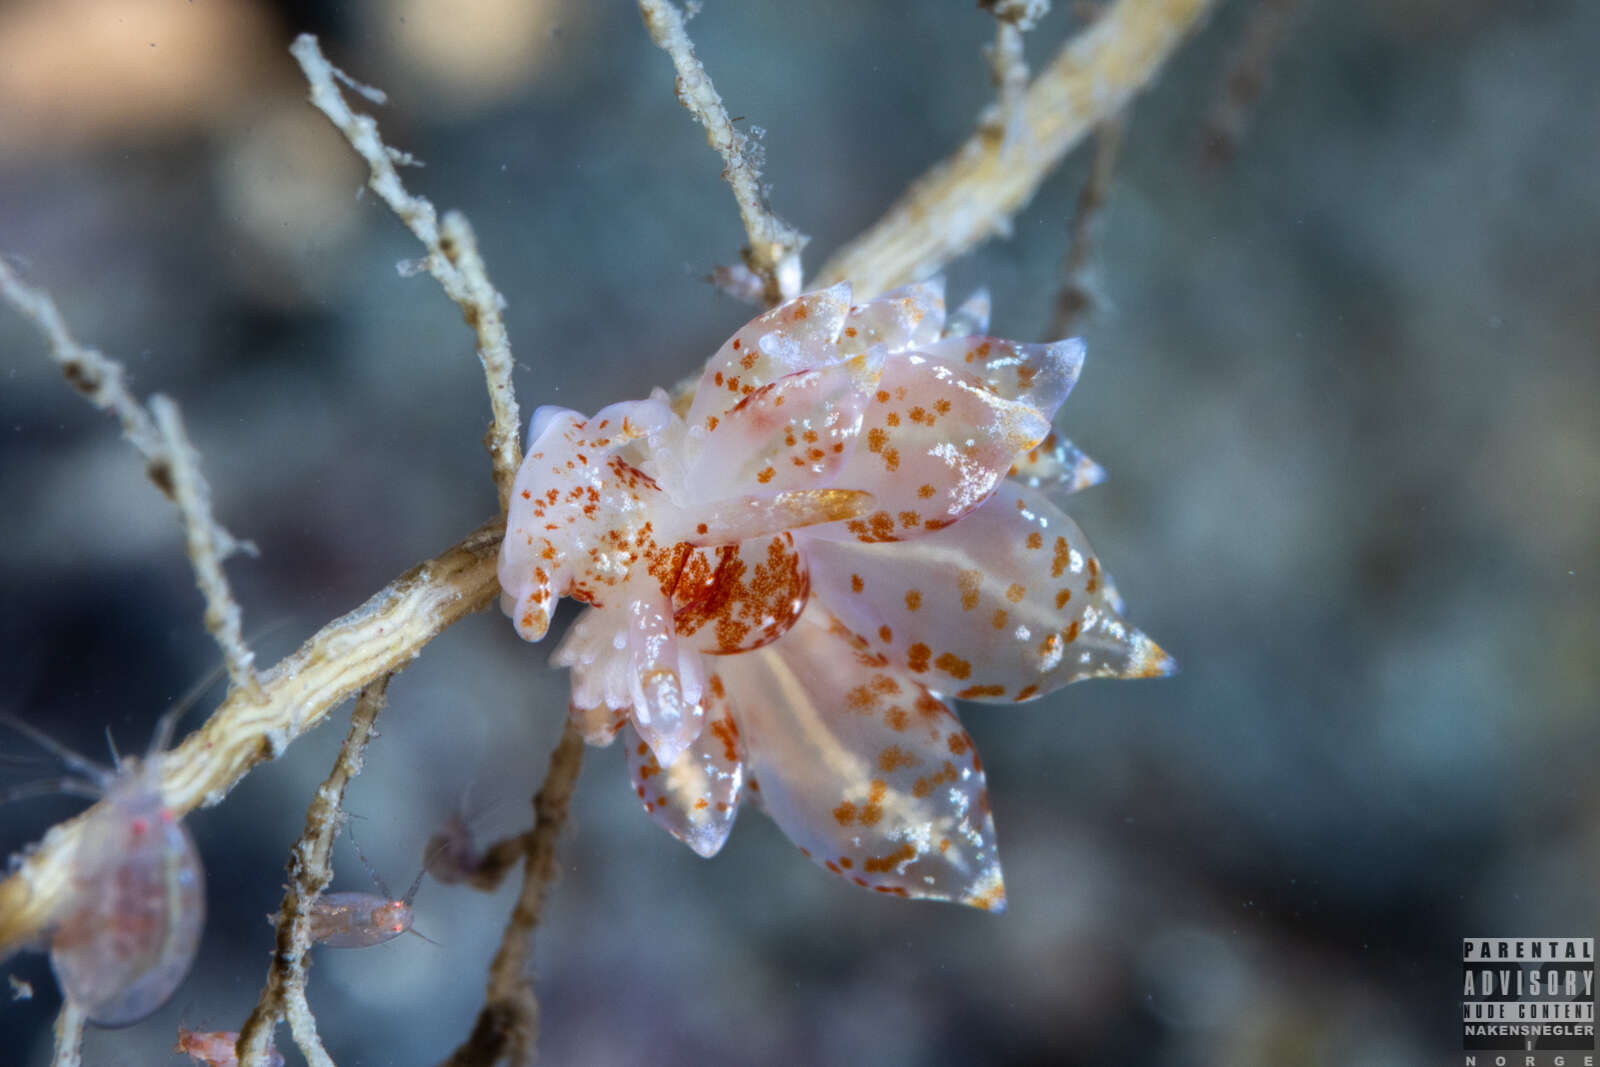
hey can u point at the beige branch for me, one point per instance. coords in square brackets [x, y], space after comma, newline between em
[69, 1035]
[170, 461]
[1076, 298]
[774, 249]
[310, 871]
[378, 638]
[1008, 68]
[452, 257]
[1246, 78]
[972, 195]
[507, 1027]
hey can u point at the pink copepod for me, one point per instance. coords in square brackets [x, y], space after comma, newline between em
[218, 1048]
[360, 920]
[126, 932]
[452, 855]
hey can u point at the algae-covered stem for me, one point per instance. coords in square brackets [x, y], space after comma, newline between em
[310, 871]
[774, 249]
[452, 258]
[507, 1026]
[69, 1035]
[972, 195]
[170, 461]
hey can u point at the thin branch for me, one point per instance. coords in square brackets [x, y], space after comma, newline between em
[1075, 298]
[170, 461]
[774, 249]
[208, 545]
[310, 871]
[507, 1027]
[381, 637]
[972, 195]
[1246, 78]
[452, 257]
[69, 1035]
[1008, 64]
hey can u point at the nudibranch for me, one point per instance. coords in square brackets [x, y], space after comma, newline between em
[792, 569]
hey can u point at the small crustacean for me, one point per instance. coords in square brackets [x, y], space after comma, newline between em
[359, 920]
[452, 855]
[218, 1048]
[124, 935]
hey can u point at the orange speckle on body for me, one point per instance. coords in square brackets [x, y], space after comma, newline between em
[970, 583]
[1027, 692]
[885, 635]
[1015, 593]
[1035, 540]
[861, 698]
[885, 864]
[726, 731]
[894, 757]
[1063, 556]
[976, 692]
[913, 599]
[953, 665]
[1062, 596]
[999, 620]
[876, 439]
[1072, 631]
[917, 657]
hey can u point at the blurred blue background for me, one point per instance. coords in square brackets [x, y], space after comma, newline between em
[1344, 381]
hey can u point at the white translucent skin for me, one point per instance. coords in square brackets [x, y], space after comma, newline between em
[789, 579]
[125, 940]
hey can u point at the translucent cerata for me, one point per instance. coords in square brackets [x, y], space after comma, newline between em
[791, 570]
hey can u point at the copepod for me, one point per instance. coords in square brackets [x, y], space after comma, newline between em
[218, 1048]
[452, 855]
[124, 935]
[360, 920]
